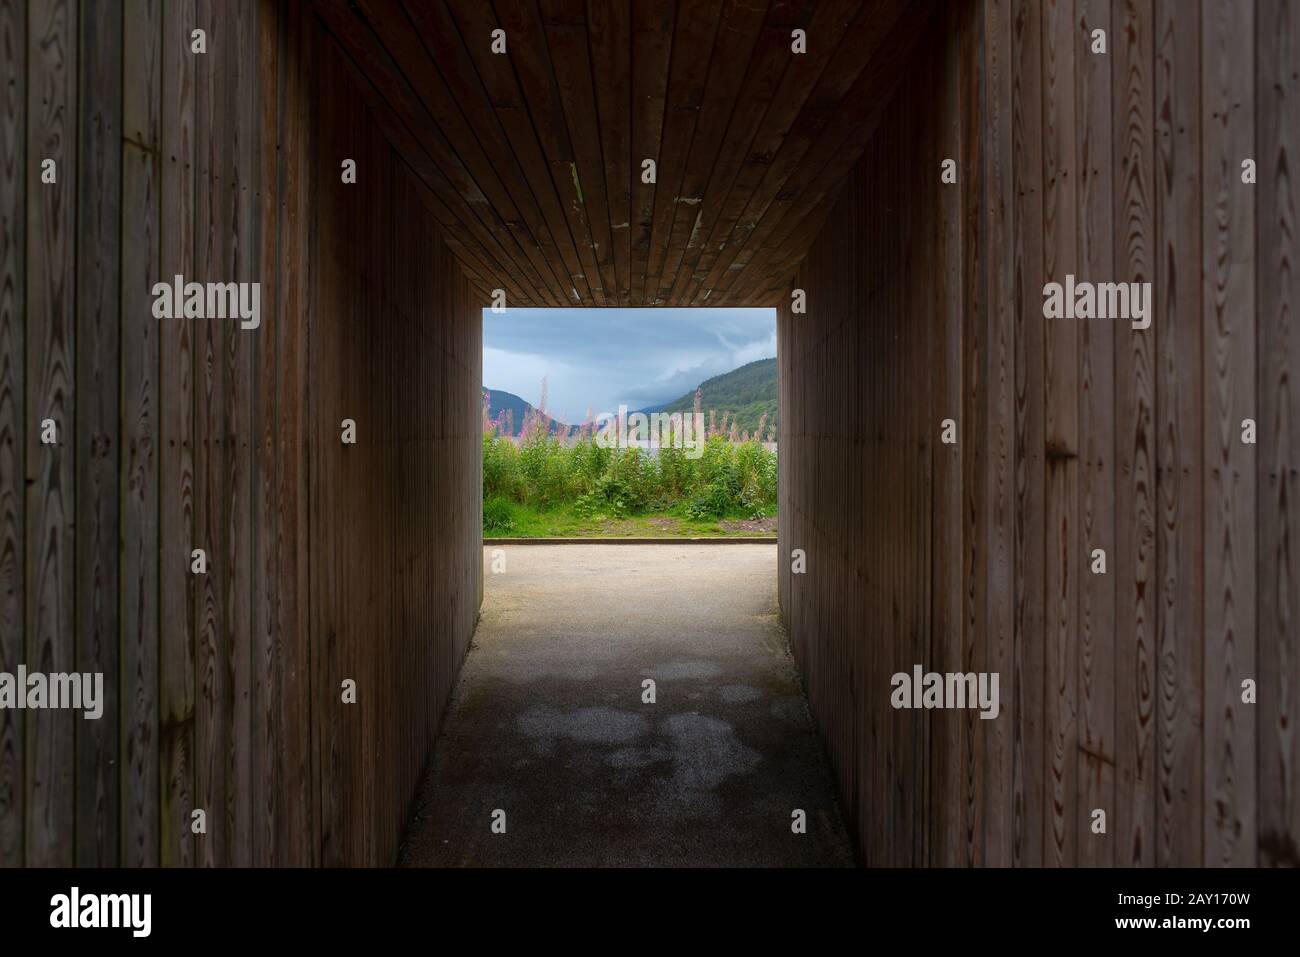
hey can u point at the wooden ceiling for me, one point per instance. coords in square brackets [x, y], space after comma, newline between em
[533, 158]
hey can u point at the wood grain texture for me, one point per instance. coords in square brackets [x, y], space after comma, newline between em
[873, 340]
[697, 25]
[1125, 688]
[500, 128]
[584, 92]
[501, 185]
[481, 77]
[998, 558]
[1278, 350]
[211, 450]
[566, 33]
[1136, 691]
[815, 152]
[13, 427]
[609, 36]
[1228, 364]
[1063, 554]
[530, 58]
[766, 73]
[50, 387]
[175, 433]
[974, 391]
[141, 454]
[946, 752]
[1028, 772]
[176, 465]
[265, 795]
[1180, 488]
[850, 27]
[98, 309]
[650, 58]
[451, 180]
[1119, 692]
[1096, 521]
[238, 193]
[297, 760]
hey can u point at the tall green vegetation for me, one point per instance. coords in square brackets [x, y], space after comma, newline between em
[546, 471]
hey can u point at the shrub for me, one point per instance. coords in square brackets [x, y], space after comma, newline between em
[498, 515]
[501, 475]
[715, 501]
[543, 471]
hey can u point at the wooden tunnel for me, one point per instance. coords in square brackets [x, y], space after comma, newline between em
[902, 180]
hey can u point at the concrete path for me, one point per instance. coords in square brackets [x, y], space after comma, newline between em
[548, 722]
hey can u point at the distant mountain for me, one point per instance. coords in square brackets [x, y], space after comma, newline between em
[743, 394]
[516, 408]
[746, 393]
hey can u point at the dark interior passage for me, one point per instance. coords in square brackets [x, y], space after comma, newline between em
[904, 187]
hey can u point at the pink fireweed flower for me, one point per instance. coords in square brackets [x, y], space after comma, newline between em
[535, 420]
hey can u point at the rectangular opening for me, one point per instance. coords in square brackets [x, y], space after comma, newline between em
[629, 423]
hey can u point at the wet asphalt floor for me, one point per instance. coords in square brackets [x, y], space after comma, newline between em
[549, 726]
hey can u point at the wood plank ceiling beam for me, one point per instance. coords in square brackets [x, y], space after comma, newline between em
[529, 123]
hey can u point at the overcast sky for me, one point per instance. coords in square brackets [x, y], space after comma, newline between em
[601, 358]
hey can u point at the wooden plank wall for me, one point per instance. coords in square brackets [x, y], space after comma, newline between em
[325, 561]
[1120, 691]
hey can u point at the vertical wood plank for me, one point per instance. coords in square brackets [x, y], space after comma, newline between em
[945, 641]
[1180, 529]
[1278, 565]
[239, 72]
[609, 29]
[297, 758]
[98, 189]
[141, 39]
[1136, 584]
[211, 387]
[177, 364]
[998, 557]
[975, 384]
[1228, 264]
[51, 504]
[14, 179]
[652, 41]
[1062, 555]
[330, 590]
[1096, 522]
[1029, 772]
[265, 797]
